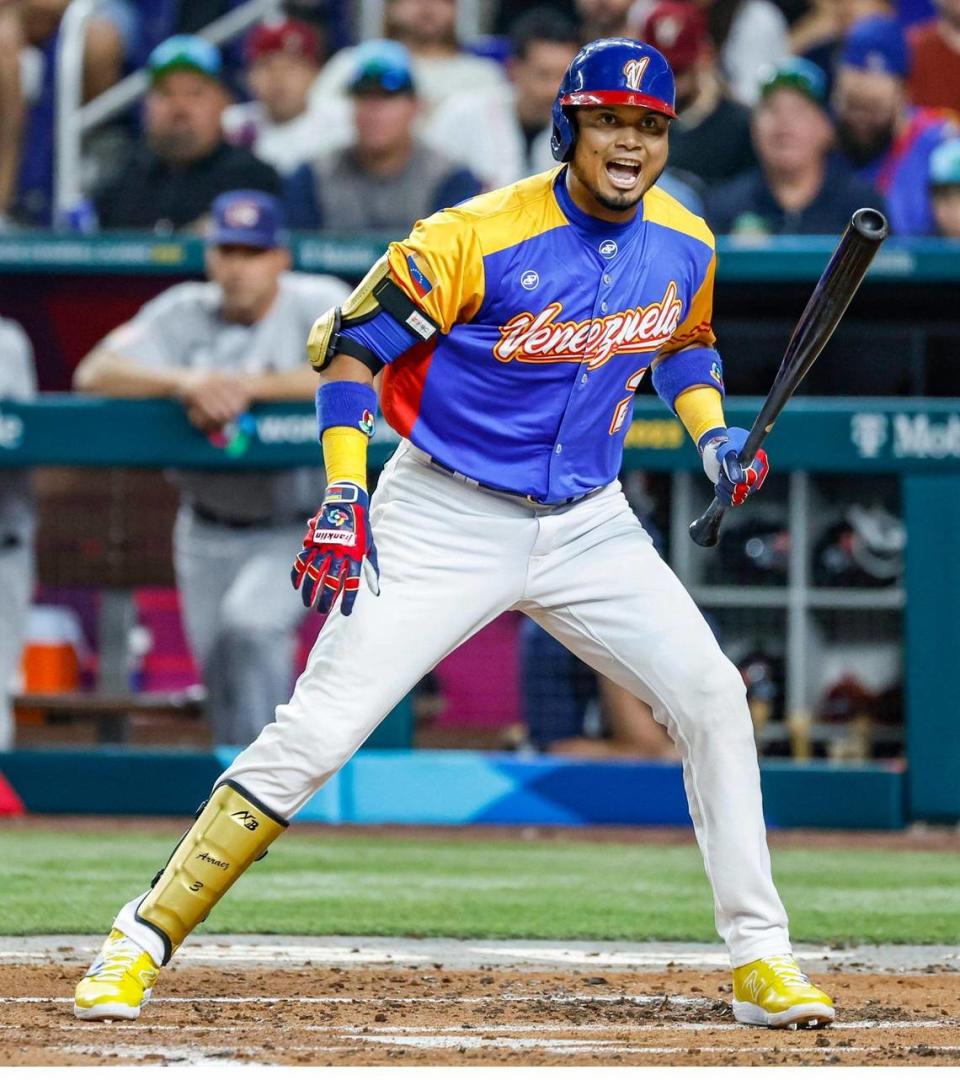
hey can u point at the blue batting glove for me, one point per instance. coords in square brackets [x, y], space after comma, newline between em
[733, 483]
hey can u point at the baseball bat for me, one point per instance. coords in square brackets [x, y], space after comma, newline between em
[865, 232]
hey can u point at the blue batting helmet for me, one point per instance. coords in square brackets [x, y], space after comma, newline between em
[611, 71]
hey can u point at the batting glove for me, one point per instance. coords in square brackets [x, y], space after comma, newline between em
[338, 540]
[733, 483]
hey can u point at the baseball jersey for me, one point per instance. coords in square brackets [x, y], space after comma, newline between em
[548, 320]
[17, 383]
[182, 328]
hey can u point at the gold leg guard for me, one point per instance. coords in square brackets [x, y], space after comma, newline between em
[232, 830]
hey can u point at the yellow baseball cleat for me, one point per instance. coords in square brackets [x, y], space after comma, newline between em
[118, 983]
[774, 992]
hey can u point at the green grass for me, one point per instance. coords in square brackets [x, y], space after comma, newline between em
[354, 884]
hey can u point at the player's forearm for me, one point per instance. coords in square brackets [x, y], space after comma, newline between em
[344, 440]
[700, 410]
[108, 373]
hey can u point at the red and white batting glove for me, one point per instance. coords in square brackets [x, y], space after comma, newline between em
[733, 483]
[338, 539]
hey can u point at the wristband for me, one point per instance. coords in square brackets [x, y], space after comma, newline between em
[685, 370]
[346, 404]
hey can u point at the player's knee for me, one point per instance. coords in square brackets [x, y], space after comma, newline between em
[715, 695]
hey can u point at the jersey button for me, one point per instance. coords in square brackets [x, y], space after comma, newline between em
[603, 306]
[558, 449]
[607, 279]
[583, 379]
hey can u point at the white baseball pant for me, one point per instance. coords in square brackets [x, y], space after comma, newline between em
[452, 558]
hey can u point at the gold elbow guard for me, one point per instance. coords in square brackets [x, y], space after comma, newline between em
[321, 338]
[377, 291]
[358, 305]
[231, 831]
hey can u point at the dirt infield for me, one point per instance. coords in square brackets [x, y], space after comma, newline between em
[430, 1015]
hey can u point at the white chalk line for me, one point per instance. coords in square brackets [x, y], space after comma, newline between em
[228, 1054]
[357, 1029]
[350, 1029]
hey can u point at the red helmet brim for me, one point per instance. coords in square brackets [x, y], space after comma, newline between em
[618, 97]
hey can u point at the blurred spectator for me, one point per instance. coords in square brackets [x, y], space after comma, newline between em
[111, 36]
[750, 35]
[818, 35]
[283, 59]
[945, 188]
[219, 347]
[603, 18]
[11, 105]
[387, 179]
[185, 163]
[711, 138]
[799, 187]
[17, 381]
[440, 66]
[30, 33]
[503, 133]
[935, 59]
[886, 140]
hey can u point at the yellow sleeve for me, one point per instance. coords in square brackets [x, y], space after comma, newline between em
[697, 328]
[700, 410]
[440, 268]
[345, 455]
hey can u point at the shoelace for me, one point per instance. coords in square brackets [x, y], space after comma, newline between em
[785, 968]
[117, 956]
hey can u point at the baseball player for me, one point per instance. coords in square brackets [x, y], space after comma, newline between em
[218, 346]
[512, 333]
[17, 382]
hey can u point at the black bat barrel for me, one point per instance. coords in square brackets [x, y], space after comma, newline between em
[865, 232]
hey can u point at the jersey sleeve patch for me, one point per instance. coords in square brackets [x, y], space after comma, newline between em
[418, 277]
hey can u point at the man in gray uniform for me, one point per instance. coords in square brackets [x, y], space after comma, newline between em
[17, 382]
[218, 347]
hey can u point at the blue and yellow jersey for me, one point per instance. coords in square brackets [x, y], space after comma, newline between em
[548, 319]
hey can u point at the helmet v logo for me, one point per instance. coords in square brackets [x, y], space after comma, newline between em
[633, 71]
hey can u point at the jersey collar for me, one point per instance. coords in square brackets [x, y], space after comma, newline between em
[586, 223]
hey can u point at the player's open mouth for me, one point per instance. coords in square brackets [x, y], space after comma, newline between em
[623, 173]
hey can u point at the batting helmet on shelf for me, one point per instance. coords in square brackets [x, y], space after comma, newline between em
[865, 549]
[611, 71]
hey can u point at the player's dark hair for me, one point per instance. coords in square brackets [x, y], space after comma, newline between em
[541, 24]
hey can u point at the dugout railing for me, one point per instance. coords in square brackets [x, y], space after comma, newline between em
[915, 441]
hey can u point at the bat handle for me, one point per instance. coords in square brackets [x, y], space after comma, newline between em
[705, 531]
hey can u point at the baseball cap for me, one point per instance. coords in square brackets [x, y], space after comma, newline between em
[678, 30]
[798, 74]
[945, 163]
[382, 67]
[184, 52]
[876, 44]
[288, 36]
[251, 218]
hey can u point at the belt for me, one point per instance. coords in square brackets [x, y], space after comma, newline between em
[528, 500]
[201, 513]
